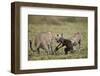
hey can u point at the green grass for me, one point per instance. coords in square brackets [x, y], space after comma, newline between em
[67, 28]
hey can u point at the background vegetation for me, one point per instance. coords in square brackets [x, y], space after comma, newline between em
[58, 24]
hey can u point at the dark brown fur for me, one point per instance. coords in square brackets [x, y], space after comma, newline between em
[65, 42]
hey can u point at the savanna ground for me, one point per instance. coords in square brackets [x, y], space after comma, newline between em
[58, 24]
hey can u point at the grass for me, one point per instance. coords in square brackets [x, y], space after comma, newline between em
[65, 26]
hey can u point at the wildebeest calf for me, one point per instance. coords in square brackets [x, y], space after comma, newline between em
[65, 42]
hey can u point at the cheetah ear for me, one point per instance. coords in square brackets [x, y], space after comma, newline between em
[62, 35]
